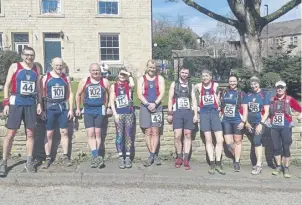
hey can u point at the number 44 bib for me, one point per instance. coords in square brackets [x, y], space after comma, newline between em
[278, 119]
[27, 87]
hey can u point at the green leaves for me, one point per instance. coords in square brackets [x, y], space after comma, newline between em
[6, 59]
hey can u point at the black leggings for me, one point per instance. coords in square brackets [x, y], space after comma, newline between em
[282, 139]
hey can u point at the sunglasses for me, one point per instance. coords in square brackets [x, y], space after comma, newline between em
[280, 87]
[28, 55]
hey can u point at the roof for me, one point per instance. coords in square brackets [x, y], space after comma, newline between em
[283, 28]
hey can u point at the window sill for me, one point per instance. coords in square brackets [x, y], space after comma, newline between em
[107, 16]
[2, 15]
[51, 16]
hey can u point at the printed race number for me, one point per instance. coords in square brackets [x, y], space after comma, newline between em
[121, 101]
[183, 103]
[27, 87]
[254, 107]
[94, 92]
[57, 92]
[278, 119]
[229, 110]
[156, 117]
[208, 99]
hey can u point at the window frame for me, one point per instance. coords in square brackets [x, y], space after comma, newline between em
[295, 40]
[109, 15]
[119, 47]
[1, 41]
[59, 13]
[1, 8]
[16, 44]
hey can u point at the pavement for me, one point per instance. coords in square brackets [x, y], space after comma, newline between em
[154, 185]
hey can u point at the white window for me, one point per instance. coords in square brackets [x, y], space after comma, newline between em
[51, 6]
[277, 41]
[295, 40]
[20, 41]
[291, 41]
[1, 44]
[109, 47]
[108, 7]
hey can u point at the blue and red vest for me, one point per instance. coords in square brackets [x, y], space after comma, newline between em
[94, 97]
[151, 89]
[23, 86]
[123, 100]
[207, 98]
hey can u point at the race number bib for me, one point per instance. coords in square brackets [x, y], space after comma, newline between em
[57, 92]
[94, 92]
[156, 117]
[27, 87]
[183, 103]
[229, 110]
[254, 107]
[208, 99]
[121, 101]
[278, 119]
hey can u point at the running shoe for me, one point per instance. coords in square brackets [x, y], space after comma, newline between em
[3, 169]
[220, 169]
[286, 172]
[47, 163]
[237, 167]
[157, 160]
[212, 169]
[257, 170]
[277, 171]
[66, 161]
[100, 161]
[187, 165]
[178, 162]
[30, 167]
[121, 163]
[93, 162]
[128, 162]
[148, 162]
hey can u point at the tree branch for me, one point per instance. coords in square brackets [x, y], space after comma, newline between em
[283, 10]
[211, 14]
[237, 9]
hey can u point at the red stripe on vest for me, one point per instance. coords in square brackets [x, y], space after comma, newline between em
[211, 93]
[14, 78]
[156, 82]
[126, 86]
[88, 82]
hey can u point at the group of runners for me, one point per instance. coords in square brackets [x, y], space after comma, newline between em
[226, 114]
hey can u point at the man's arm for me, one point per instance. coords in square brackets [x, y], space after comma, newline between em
[170, 98]
[112, 99]
[70, 95]
[79, 93]
[162, 88]
[38, 86]
[11, 71]
[194, 100]
[107, 88]
[217, 93]
[139, 92]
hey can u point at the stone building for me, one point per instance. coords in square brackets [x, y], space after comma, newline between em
[117, 32]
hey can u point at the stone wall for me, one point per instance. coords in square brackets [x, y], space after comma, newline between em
[79, 143]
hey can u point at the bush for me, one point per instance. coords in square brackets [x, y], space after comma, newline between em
[269, 79]
[6, 59]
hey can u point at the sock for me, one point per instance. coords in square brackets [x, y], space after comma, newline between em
[120, 155]
[152, 154]
[218, 163]
[4, 161]
[65, 155]
[179, 156]
[48, 157]
[94, 153]
[212, 164]
[186, 156]
[128, 155]
[29, 159]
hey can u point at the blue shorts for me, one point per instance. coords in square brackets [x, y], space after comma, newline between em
[93, 120]
[183, 119]
[210, 121]
[54, 115]
[231, 128]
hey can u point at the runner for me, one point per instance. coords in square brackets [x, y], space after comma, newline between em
[281, 126]
[22, 101]
[95, 89]
[233, 121]
[150, 91]
[256, 103]
[121, 101]
[210, 121]
[57, 93]
[182, 100]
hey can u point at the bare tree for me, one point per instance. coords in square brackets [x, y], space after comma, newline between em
[249, 24]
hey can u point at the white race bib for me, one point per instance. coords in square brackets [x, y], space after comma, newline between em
[229, 110]
[183, 103]
[254, 107]
[27, 87]
[208, 99]
[278, 119]
[121, 101]
[156, 117]
[94, 92]
[57, 92]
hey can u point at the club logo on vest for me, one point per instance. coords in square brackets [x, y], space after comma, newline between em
[27, 76]
[122, 92]
[231, 96]
[207, 93]
[151, 86]
[57, 84]
[278, 107]
[254, 100]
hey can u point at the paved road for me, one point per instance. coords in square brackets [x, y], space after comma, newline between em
[162, 185]
[140, 196]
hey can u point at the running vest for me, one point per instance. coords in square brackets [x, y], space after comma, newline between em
[207, 97]
[254, 106]
[123, 100]
[151, 89]
[280, 111]
[56, 89]
[23, 86]
[95, 94]
[229, 104]
[182, 96]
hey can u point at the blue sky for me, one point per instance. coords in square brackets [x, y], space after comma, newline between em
[201, 23]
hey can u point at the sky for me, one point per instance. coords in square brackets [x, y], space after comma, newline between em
[200, 23]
